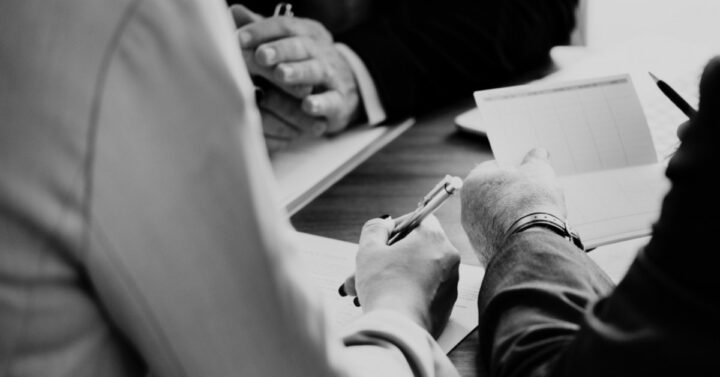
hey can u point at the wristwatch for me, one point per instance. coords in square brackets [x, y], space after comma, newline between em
[547, 221]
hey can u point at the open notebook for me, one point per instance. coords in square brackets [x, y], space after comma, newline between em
[600, 146]
[331, 261]
[309, 167]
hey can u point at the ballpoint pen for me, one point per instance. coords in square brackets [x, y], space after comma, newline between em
[671, 94]
[429, 204]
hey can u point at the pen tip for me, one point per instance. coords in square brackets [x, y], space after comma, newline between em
[653, 76]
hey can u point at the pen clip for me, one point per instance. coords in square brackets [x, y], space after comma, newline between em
[435, 190]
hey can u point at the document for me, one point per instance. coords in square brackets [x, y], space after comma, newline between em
[331, 261]
[679, 63]
[600, 146]
[310, 166]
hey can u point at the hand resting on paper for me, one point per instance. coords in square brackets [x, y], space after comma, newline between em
[297, 56]
[416, 276]
[494, 197]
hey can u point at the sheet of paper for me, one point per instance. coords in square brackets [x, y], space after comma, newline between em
[586, 125]
[311, 166]
[679, 63]
[614, 205]
[600, 146]
[331, 261]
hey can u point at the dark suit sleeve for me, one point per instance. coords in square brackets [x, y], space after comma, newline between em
[543, 311]
[422, 54]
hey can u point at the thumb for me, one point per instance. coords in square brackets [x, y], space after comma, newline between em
[537, 163]
[376, 232]
[710, 88]
[536, 154]
[243, 16]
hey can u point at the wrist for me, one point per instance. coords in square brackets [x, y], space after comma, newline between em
[404, 303]
[544, 220]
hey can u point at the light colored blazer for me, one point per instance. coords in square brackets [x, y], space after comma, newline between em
[139, 226]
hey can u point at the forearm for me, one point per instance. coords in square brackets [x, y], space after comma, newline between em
[534, 296]
[421, 54]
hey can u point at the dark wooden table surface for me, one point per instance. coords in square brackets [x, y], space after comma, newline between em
[393, 180]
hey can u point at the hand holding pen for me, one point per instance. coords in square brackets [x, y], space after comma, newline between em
[403, 226]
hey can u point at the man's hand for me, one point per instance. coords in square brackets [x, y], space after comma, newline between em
[494, 197]
[284, 121]
[298, 56]
[416, 276]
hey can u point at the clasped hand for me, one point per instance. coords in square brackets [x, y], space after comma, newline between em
[313, 89]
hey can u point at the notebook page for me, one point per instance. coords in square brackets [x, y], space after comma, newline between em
[331, 261]
[310, 166]
[586, 125]
[614, 205]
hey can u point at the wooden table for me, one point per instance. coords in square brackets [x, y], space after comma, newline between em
[393, 180]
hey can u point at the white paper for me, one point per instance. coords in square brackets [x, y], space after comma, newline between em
[679, 63]
[586, 125]
[600, 145]
[331, 261]
[614, 205]
[309, 167]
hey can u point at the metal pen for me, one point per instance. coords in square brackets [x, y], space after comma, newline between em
[429, 204]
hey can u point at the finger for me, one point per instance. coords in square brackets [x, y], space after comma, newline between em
[274, 144]
[328, 104]
[288, 110]
[376, 232]
[309, 73]
[710, 88]
[682, 130]
[536, 154]
[286, 50]
[270, 29]
[537, 163]
[349, 286]
[243, 16]
[277, 128]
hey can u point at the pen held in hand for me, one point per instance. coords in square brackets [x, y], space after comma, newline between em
[406, 223]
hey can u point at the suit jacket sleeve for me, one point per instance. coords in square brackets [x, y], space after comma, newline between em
[422, 54]
[546, 309]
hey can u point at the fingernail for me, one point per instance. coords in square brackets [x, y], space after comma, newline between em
[385, 216]
[544, 153]
[245, 37]
[286, 72]
[341, 290]
[356, 301]
[314, 106]
[268, 54]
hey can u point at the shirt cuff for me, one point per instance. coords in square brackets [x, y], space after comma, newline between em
[384, 327]
[368, 92]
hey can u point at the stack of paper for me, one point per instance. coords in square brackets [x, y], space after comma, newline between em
[309, 167]
[330, 262]
[600, 145]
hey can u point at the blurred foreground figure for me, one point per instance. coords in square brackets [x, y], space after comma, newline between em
[139, 231]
